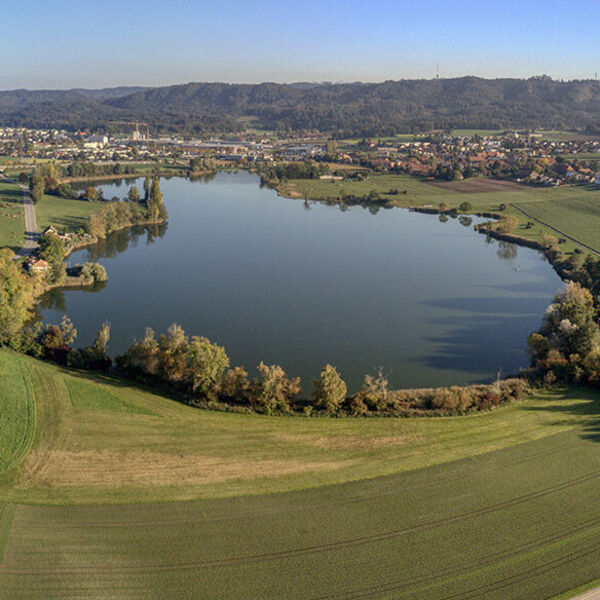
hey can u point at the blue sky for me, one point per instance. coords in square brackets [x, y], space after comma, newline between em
[98, 43]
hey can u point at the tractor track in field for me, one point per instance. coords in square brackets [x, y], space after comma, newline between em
[317, 548]
[368, 592]
[399, 584]
[308, 506]
[475, 593]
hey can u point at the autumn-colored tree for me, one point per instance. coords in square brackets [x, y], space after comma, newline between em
[330, 390]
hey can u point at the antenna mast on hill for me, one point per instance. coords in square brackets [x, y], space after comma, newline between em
[437, 69]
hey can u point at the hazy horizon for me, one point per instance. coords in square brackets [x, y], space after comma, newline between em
[149, 44]
[298, 82]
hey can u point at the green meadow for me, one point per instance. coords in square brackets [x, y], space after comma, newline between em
[65, 214]
[12, 216]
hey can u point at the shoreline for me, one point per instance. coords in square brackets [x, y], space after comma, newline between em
[95, 240]
[167, 174]
[549, 254]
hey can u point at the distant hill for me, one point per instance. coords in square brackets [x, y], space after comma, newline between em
[346, 108]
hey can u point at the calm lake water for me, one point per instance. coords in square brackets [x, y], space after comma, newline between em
[302, 285]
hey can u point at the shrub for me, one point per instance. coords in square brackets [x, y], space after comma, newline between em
[95, 270]
[330, 390]
[206, 364]
[549, 241]
[507, 224]
[375, 391]
[274, 391]
[235, 385]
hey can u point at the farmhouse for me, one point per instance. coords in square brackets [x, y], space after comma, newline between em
[37, 265]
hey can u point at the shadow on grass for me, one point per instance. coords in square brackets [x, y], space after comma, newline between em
[14, 197]
[69, 223]
[586, 407]
[118, 381]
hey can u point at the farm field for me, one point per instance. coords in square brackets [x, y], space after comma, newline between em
[500, 505]
[577, 216]
[12, 216]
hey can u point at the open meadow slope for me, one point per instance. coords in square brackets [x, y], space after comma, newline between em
[110, 491]
[576, 216]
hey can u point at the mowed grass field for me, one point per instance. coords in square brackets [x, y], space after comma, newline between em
[12, 216]
[63, 213]
[110, 491]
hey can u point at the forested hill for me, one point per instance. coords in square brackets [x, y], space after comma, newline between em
[350, 108]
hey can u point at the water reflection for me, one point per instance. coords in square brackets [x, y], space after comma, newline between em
[118, 241]
[55, 299]
[506, 250]
[203, 178]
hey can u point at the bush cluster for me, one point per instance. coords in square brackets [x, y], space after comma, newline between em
[566, 348]
[200, 372]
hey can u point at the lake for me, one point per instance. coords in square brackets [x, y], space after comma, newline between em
[305, 284]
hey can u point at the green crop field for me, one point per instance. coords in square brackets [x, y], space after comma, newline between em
[577, 216]
[12, 216]
[112, 491]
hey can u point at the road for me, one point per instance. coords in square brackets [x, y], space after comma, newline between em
[591, 595]
[31, 226]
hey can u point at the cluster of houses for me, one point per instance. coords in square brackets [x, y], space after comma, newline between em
[525, 157]
[37, 265]
[64, 146]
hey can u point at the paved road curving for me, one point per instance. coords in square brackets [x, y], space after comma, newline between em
[31, 226]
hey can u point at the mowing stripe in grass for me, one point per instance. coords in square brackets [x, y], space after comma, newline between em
[17, 414]
[7, 512]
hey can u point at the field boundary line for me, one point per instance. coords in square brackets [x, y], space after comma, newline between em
[566, 235]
